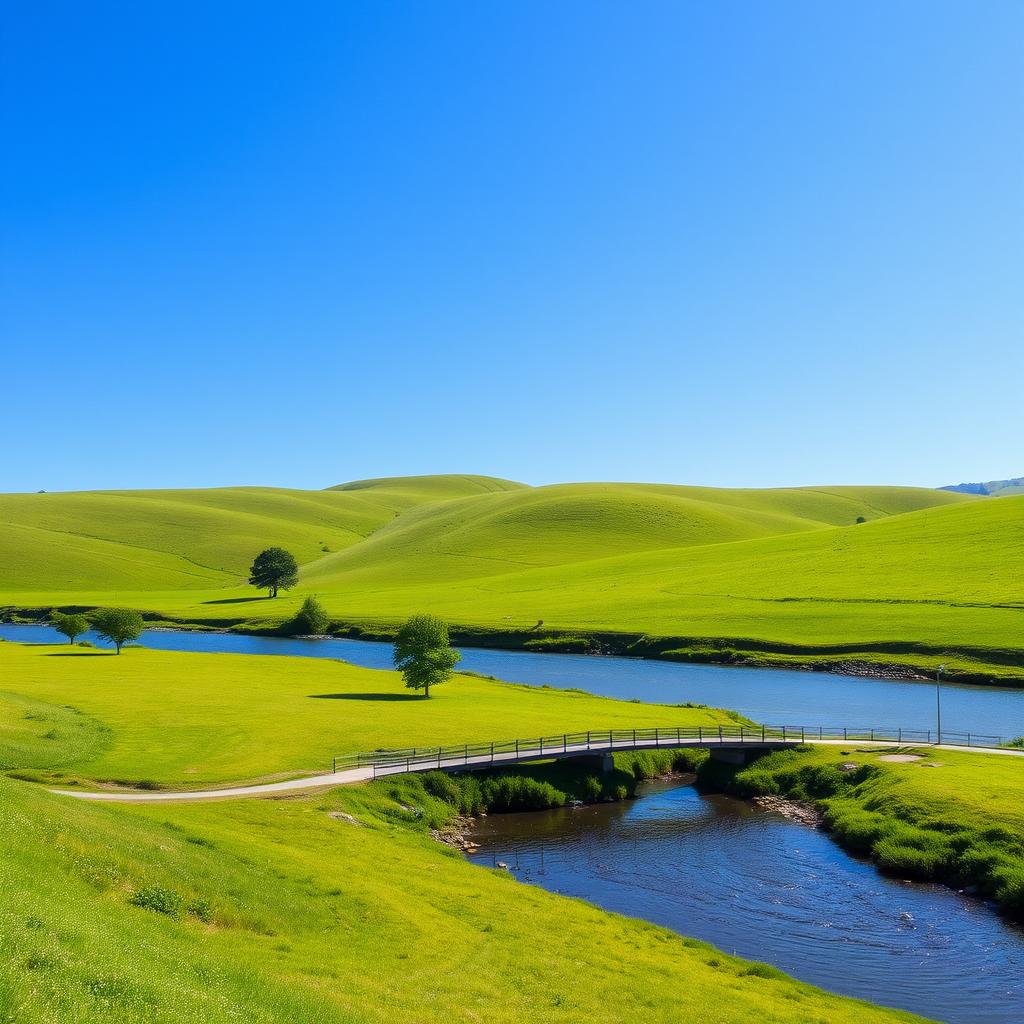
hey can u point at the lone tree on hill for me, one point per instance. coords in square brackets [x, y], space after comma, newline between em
[423, 653]
[118, 625]
[274, 569]
[71, 626]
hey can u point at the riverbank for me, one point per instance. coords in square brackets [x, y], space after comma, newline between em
[949, 817]
[892, 661]
[337, 908]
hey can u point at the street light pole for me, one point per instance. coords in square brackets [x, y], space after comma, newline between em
[938, 702]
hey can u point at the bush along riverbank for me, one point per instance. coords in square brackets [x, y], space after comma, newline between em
[441, 802]
[942, 816]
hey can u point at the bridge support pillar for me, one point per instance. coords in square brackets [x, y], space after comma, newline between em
[733, 755]
[603, 763]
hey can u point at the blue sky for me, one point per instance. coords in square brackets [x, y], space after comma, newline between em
[720, 243]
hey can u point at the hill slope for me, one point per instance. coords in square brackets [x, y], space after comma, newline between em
[502, 532]
[170, 540]
[893, 572]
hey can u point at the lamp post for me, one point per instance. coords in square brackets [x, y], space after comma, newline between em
[938, 702]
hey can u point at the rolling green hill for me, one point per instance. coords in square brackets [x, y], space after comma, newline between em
[170, 540]
[498, 533]
[901, 575]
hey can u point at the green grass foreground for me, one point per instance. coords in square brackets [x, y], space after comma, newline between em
[948, 816]
[184, 720]
[766, 576]
[327, 908]
[270, 911]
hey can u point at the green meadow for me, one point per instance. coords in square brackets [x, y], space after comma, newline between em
[181, 719]
[905, 576]
[323, 908]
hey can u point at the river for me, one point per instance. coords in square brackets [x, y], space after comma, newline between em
[759, 885]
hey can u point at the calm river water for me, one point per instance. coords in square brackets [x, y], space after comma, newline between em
[759, 885]
[772, 696]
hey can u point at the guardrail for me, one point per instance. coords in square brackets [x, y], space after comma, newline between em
[609, 740]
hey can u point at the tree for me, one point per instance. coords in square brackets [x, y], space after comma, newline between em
[423, 653]
[70, 625]
[118, 625]
[274, 569]
[311, 619]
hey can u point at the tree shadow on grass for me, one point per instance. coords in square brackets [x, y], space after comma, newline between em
[82, 654]
[366, 696]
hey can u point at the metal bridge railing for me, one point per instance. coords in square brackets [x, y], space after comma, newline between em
[606, 740]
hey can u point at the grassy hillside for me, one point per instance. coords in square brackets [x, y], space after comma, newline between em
[926, 575]
[501, 532]
[188, 719]
[407, 491]
[171, 540]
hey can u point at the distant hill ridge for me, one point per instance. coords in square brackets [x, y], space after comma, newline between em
[992, 488]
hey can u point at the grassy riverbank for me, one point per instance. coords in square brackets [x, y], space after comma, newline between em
[284, 910]
[942, 816]
[331, 908]
[785, 576]
[182, 719]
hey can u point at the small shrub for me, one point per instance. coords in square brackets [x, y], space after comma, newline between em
[519, 793]
[311, 619]
[910, 861]
[158, 899]
[201, 909]
[472, 801]
[442, 786]
[761, 970]
[856, 829]
[1009, 889]
[754, 782]
[821, 780]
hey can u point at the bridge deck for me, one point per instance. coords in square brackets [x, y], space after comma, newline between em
[480, 756]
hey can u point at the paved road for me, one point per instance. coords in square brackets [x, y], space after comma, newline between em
[364, 774]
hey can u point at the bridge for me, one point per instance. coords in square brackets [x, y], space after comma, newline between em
[735, 744]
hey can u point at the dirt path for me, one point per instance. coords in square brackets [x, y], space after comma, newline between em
[354, 775]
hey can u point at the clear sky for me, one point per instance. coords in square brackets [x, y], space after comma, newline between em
[733, 243]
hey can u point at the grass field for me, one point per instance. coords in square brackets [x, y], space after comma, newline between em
[182, 719]
[929, 576]
[275, 910]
